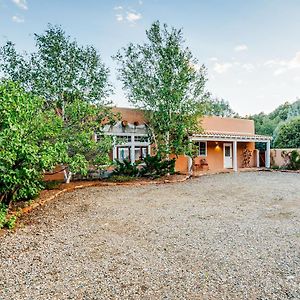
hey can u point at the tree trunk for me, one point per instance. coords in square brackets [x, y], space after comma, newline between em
[67, 175]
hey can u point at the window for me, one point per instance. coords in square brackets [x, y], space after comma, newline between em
[202, 149]
[123, 153]
[141, 138]
[123, 139]
[140, 153]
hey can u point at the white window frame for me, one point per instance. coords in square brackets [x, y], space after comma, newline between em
[203, 155]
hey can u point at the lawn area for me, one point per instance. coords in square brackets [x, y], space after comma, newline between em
[227, 236]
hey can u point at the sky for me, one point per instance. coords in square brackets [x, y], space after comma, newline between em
[251, 48]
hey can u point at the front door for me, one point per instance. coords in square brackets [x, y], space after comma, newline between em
[227, 148]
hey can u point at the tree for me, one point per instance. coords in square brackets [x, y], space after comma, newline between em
[73, 82]
[161, 77]
[59, 71]
[287, 135]
[28, 142]
[81, 151]
[217, 107]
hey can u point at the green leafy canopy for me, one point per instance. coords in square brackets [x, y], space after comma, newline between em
[163, 78]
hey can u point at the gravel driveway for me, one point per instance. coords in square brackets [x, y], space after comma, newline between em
[229, 236]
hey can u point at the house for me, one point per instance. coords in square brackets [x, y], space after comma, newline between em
[225, 143]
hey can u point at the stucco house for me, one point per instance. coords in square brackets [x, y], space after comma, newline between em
[225, 143]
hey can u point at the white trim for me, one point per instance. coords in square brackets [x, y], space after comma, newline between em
[234, 157]
[228, 139]
[268, 155]
[227, 144]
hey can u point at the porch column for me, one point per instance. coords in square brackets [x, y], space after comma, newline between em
[235, 166]
[114, 152]
[131, 149]
[268, 154]
[257, 158]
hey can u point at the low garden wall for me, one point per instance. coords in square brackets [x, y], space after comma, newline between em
[277, 157]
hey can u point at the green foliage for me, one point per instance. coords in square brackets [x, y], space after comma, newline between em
[217, 107]
[270, 124]
[3, 213]
[155, 166]
[73, 82]
[125, 168]
[287, 135]
[28, 144]
[121, 178]
[51, 185]
[162, 77]
[294, 163]
[4, 222]
[11, 222]
[59, 71]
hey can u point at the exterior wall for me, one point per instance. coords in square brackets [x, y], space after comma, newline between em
[215, 155]
[231, 125]
[277, 159]
[181, 164]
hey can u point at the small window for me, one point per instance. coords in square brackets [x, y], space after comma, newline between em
[123, 139]
[141, 138]
[202, 149]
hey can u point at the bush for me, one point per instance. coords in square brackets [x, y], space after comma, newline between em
[4, 222]
[156, 167]
[126, 168]
[26, 143]
[3, 213]
[287, 134]
[294, 160]
[121, 178]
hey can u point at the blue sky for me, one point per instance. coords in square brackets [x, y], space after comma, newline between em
[251, 48]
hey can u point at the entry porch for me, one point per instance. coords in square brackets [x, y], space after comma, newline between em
[226, 151]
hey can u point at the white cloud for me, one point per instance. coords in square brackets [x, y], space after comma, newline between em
[221, 68]
[284, 65]
[140, 2]
[118, 7]
[17, 19]
[132, 17]
[21, 4]
[213, 59]
[248, 67]
[240, 48]
[119, 17]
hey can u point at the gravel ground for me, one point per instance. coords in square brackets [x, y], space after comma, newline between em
[229, 236]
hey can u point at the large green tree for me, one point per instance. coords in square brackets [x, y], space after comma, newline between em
[217, 107]
[162, 77]
[73, 82]
[287, 135]
[59, 70]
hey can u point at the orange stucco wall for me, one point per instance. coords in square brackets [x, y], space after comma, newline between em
[215, 157]
[232, 125]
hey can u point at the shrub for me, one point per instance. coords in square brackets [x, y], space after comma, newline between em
[26, 143]
[3, 213]
[126, 168]
[154, 166]
[4, 222]
[294, 162]
[121, 178]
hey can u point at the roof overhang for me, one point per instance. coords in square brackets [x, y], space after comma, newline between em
[230, 137]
